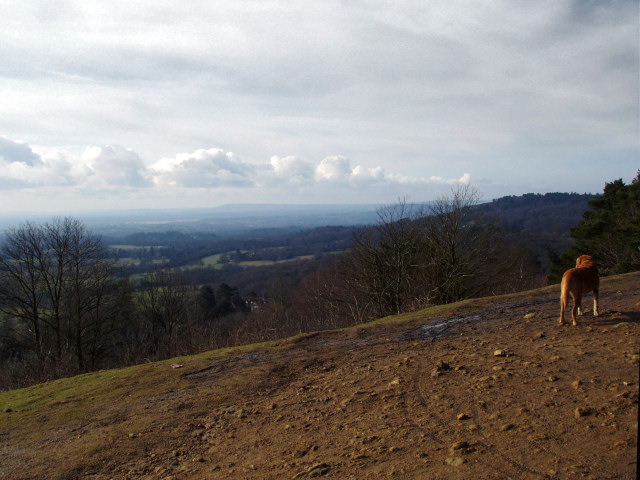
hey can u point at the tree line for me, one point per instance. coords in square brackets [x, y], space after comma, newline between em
[66, 307]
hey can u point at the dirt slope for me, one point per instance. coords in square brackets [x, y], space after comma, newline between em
[421, 396]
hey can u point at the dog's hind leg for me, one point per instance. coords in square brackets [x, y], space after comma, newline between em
[577, 305]
[595, 302]
[563, 305]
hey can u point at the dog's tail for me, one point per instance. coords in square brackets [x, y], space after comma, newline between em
[564, 296]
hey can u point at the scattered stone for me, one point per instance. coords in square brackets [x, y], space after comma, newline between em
[463, 416]
[576, 384]
[443, 366]
[461, 448]
[316, 470]
[439, 368]
[530, 315]
[552, 378]
[454, 461]
[506, 427]
[582, 412]
[499, 353]
[394, 382]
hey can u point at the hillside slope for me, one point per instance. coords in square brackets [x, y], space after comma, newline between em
[418, 396]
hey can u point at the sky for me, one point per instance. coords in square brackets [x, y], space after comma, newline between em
[167, 104]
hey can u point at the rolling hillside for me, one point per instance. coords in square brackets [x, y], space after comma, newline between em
[487, 388]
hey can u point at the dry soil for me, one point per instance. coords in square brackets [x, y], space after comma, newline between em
[485, 389]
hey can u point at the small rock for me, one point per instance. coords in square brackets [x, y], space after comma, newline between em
[443, 366]
[454, 461]
[462, 416]
[317, 470]
[530, 315]
[506, 427]
[582, 412]
[552, 378]
[499, 353]
[394, 382]
[458, 446]
[576, 384]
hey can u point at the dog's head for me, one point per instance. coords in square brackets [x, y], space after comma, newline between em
[584, 261]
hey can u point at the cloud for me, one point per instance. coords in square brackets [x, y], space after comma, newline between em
[22, 167]
[333, 168]
[113, 165]
[204, 169]
[291, 169]
[514, 91]
[17, 152]
[337, 169]
[216, 175]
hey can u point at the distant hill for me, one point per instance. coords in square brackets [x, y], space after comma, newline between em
[540, 222]
[553, 213]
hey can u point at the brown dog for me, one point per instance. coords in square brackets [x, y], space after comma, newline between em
[577, 282]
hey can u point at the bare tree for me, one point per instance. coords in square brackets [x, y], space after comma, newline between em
[432, 254]
[164, 309]
[22, 299]
[55, 280]
[458, 244]
[388, 255]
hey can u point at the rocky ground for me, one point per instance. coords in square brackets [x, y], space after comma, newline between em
[486, 389]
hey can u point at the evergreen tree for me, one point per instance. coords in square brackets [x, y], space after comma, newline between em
[609, 231]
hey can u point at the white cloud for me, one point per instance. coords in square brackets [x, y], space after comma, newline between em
[291, 169]
[22, 167]
[333, 168]
[204, 169]
[114, 170]
[116, 166]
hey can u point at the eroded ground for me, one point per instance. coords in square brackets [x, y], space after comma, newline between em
[490, 389]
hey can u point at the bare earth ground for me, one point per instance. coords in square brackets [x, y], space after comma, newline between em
[416, 397]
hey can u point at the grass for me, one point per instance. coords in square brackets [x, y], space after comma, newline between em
[23, 411]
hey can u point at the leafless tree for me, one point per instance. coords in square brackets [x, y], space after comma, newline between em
[164, 306]
[55, 282]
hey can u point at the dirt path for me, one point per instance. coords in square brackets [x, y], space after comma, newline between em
[491, 389]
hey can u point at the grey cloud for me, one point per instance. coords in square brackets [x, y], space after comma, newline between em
[12, 152]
